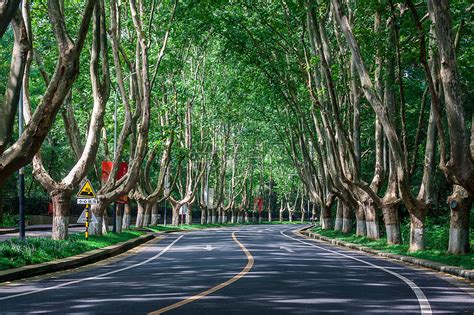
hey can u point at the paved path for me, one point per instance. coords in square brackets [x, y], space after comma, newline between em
[243, 270]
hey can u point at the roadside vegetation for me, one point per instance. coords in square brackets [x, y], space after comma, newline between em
[358, 113]
[436, 244]
[15, 253]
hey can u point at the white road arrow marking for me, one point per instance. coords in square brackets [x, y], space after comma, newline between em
[287, 249]
[209, 247]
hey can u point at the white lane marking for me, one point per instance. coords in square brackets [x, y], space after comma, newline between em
[209, 247]
[287, 249]
[422, 300]
[94, 277]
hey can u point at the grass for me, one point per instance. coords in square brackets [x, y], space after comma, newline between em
[435, 250]
[15, 253]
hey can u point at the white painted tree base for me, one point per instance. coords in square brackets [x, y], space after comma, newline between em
[373, 230]
[417, 239]
[338, 224]
[60, 227]
[118, 223]
[361, 228]
[326, 224]
[393, 234]
[126, 222]
[458, 241]
[346, 225]
[154, 219]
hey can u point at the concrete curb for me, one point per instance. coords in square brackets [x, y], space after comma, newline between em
[455, 271]
[73, 261]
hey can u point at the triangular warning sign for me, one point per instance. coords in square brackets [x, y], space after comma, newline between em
[82, 218]
[86, 191]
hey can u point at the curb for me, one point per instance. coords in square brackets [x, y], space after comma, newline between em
[452, 270]
[73, 261]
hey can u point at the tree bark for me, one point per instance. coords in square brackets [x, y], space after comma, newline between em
[61, 204]
[460, 204]
[339, 217]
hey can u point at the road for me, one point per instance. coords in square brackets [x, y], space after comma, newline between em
[264, 269]
[44, 233]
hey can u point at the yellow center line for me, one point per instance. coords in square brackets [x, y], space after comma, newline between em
[193, 298]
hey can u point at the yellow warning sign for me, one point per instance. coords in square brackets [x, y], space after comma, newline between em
[86, 191]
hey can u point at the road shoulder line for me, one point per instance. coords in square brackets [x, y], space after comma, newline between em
[422, 300]
[452, 270]
[73, 261]
[241, 274]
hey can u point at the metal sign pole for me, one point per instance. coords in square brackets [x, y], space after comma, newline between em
[87, 222]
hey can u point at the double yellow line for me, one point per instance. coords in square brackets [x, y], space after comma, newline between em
[193, 298]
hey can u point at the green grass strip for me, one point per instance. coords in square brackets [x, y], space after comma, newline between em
[15, 253]
[433, 254]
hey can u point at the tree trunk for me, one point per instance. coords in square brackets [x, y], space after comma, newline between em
[246, 215]
[105, 223]
[302, 216]
[1, 207]
[99, 211]
[61, 204]
[154, 214]
[146, 217]
[361, 227]
[417, 230]
[126, 217]
[326, 222]
[213, 216]
[189, 215]
[373, 229]
[140, 213]
[460, 204]
[346, 219]
[118, 220]
[175, 215]
[392, 223]
[204, 215]
[233, 219]
[339, 217]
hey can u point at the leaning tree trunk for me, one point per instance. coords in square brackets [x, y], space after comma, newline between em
[126, 217]
[61, 204]
[460, 204]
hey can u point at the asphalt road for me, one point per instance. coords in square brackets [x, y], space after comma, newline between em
[262, 269]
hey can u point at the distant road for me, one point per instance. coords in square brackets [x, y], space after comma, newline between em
[264, 269]
[43, 233]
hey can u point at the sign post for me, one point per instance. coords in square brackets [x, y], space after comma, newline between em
[86, 196]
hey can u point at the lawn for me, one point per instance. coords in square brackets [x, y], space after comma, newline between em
[435, 249]
[15, 253]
